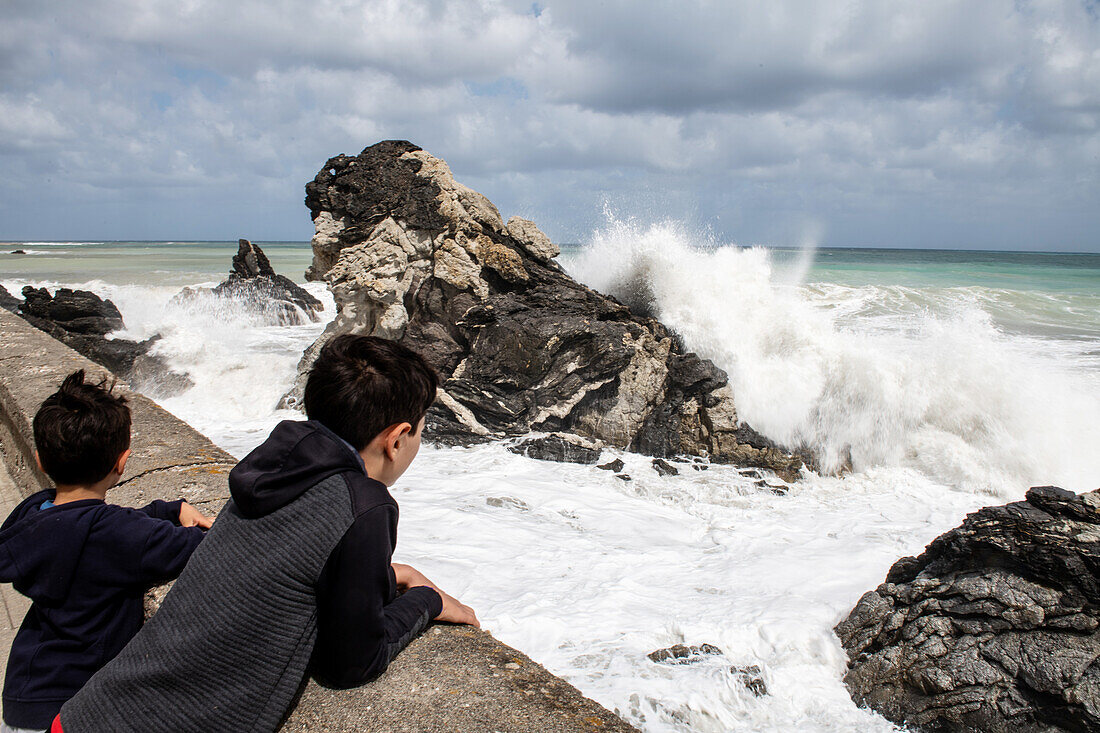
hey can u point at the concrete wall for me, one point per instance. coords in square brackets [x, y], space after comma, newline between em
[450, 679]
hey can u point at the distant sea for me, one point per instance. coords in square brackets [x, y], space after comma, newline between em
[952, 379]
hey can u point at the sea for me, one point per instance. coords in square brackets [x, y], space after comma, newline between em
[951, 380]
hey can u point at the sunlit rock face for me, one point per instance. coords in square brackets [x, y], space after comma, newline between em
[410, 254]
[995, 627]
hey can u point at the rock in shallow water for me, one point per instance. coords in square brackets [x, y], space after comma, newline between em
[558, 447]
[411, 254]
[993, 628]
[255, 284]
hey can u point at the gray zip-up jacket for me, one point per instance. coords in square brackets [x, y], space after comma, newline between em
[297, 566]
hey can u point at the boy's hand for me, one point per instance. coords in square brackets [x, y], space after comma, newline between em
[192, 517]
[453, 612]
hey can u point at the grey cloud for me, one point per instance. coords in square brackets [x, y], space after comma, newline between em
[746, 116]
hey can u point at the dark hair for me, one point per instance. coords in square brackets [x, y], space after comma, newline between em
[81, 430]
[360, 385]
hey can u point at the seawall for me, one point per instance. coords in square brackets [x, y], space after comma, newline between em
[450, 679]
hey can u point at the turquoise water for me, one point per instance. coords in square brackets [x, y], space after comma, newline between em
[1047, 272]
[1041, 294]
[182, 262]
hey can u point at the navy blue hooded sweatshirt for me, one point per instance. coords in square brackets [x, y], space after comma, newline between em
[86, 566]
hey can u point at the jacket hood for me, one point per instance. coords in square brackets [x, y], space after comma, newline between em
[296, 456]
[40, 548]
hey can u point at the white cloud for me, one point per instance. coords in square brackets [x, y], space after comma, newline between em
[857, 111]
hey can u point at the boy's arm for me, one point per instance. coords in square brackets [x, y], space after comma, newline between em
[361, 625]
[178, 512]
[167, 510]
[166, 550]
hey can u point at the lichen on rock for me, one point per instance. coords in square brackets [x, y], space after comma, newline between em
[413, 255]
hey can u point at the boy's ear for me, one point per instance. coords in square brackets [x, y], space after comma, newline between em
[38, 462]
[393, 435]
[120, 464]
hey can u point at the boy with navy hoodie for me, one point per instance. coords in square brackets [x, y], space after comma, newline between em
[85, 564]
[296, 576]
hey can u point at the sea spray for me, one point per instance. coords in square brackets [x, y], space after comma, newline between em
[934, 386]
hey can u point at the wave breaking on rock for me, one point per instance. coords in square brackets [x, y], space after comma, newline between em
[412, 255]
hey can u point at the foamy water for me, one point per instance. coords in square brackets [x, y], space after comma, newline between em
[948, 398]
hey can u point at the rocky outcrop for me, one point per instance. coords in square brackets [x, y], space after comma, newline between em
[995, 627]
[254, 283]
[412, 255]
[81, 320]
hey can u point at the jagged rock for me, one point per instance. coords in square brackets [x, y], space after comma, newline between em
[253, 282]
[683, 654]
[664, 468]
[993, 628]
[18, 252]
[411, 254]
[623, 477]
[752, 677]
[615, 465]
[558, 447]
[81, 320]
[75, 311]
[8, 301]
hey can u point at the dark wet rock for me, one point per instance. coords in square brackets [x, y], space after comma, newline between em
[74, 311]
[18, 252]
[700, 466]
[253, 282]
[683, 654]
[82, 320]
[615, 465]
[8, 301]
[664, 468]
[752, 677]
[412, 255]
[558, 447]
[623, 477]
[995, 627]
[777, 489]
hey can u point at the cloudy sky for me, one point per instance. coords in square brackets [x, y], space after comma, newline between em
[970, 123]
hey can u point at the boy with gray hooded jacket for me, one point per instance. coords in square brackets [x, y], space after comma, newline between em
[296, 575]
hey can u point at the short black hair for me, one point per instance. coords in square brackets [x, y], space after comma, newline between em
[360, 385]
[81, 430]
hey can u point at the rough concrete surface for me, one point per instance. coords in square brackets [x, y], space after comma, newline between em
[451, 679]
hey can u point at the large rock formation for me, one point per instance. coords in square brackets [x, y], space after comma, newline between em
[81, 320]
[412, 255]
[253, 282]
[995, 627]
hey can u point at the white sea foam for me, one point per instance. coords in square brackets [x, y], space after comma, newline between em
[588, 573]
[893, 375]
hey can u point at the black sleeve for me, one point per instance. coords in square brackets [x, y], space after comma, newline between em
[361, 623]
[167, 510]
